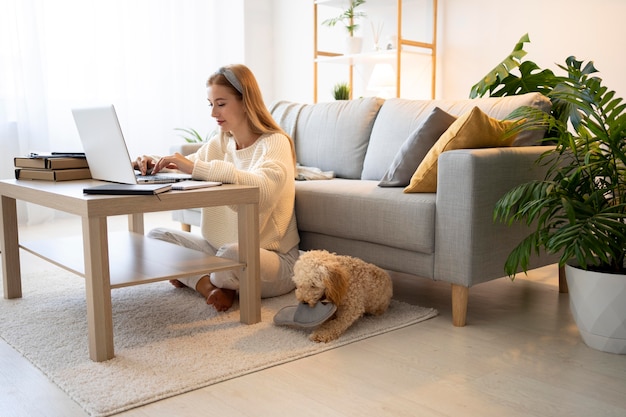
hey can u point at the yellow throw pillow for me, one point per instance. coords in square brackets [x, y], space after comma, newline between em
[472, 130]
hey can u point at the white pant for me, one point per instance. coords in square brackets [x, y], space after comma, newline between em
[276, 269]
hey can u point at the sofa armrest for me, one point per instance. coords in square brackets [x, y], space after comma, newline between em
[470, 247]
[185, 148]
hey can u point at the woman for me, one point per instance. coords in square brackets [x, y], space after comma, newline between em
[250, 149]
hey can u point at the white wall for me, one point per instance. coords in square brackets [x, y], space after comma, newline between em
[293, 50]
[258, 35]
[478, 34]
[473, 37]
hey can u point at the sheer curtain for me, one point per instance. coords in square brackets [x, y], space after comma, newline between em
[150, 58]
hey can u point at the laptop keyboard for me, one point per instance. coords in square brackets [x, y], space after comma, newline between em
[160, 178]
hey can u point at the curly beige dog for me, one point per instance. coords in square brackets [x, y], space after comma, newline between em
[354, 286]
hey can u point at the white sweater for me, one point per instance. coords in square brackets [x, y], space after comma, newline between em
[267, 164]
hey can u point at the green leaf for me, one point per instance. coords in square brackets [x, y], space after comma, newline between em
[579, 209]
[502, 70]
[191, 135]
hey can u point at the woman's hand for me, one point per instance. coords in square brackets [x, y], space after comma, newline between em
[144, 164]
[176, 161]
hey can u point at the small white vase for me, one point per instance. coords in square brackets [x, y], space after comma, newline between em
[598, 305]
[354, 45]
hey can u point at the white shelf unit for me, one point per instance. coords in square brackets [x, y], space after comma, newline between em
[409, 27]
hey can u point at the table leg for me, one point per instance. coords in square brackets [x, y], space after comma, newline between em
[250, 282]
[135, 223]
[98, 289]
[11, 274]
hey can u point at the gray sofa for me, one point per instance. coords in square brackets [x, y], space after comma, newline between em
[448, 235]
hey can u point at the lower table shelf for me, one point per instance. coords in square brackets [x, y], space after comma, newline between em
[133, 258]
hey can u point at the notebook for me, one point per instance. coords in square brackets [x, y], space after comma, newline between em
[106, 152]
[128, 189]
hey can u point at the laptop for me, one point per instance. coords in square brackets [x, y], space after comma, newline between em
[106, 152]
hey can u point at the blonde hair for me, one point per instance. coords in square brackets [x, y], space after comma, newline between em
[242, 82]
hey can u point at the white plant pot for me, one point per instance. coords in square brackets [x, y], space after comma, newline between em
[598, 304]
[354, 45]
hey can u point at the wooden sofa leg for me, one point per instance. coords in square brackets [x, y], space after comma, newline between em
[185, 227]
[460, 295]
[562, 281]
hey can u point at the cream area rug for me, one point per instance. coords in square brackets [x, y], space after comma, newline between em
[167, 340]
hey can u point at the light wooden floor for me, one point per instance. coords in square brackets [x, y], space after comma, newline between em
[519, 355]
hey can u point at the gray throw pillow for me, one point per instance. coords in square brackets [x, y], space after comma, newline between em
[415, 148]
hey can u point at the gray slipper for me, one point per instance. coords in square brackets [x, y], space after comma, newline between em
[303, 316]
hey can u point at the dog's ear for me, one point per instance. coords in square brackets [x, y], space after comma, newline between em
[336, 283]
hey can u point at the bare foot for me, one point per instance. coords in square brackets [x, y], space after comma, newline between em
[221, 298]
[177, 283]
[204, 286]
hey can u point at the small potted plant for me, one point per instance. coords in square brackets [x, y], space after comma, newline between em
[578, 210]
[349, 18]
[341, 91]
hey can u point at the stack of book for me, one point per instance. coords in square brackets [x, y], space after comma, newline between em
[52, 167]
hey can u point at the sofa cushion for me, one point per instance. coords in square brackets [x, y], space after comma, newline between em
[415, 148]
[363, 211]
[472, 130]
[286, 113]
[334, 136]
[399, 117]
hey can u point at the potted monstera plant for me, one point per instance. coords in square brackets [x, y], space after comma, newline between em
[579, 209]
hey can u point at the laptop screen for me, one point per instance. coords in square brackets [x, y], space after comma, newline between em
[104, 145]
[105, 148]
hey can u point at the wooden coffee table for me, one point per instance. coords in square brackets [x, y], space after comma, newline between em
[115, 260]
